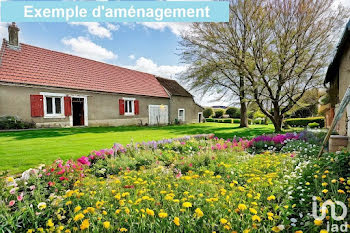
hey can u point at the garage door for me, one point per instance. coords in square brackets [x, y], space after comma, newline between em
[158, 114]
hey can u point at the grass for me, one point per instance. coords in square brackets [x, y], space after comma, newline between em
[21, 150]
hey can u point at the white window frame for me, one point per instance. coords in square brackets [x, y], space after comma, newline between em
[54, 114]
[132, 113]
[86, 110]
[184, 114]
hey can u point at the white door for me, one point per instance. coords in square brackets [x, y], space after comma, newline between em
[158, 114]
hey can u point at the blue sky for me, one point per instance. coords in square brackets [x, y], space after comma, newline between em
[148, 47]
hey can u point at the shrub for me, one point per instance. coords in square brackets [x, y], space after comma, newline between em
[313, 125]
[12, 122]
[209, 120]
[227, 121]
[208, 112]
[303, 122]
[233, 112]
[219, 113]
[237, 121]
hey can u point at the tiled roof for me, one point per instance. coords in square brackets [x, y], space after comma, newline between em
[173, 87]
[38, 66]
[341, 49]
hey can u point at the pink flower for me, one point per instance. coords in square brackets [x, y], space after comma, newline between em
[32, 187]
[13, 191]
[61, 172]
[292, 155]
[178, 175]
[20, 197]
[84, 160]
[190, 164]
[12, 203]
[51, 183]
[63, 178]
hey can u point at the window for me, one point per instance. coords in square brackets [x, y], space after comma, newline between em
[181, 114]
[129, 106]
[53, 105]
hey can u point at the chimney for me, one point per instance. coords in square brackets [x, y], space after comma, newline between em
[13, 34]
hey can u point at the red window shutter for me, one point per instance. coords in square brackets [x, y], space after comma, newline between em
[37, 106]
[67, 106]
[136, 107]
[121, 107]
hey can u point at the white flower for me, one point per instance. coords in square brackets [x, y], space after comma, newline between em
[41, 205]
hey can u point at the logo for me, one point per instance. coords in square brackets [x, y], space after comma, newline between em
[324, 210]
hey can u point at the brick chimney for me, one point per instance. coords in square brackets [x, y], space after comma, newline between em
[13, 34]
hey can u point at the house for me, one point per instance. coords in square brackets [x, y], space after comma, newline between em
[55, 89]
[338, 77]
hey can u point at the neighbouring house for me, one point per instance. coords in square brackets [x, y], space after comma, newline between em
[55, 89]
[338, 77]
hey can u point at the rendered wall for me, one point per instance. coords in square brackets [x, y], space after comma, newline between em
[187, 103]
[103, 108]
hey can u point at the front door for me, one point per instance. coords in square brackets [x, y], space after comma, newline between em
[78, 111]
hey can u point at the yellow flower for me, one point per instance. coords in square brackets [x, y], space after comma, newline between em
[10, 179]
[324, 184]
[99, 204]
[253, 211]
[76, 209]
[177, 221]
[85, 224]
[106, 224]
[50, 223]
[187, 204]
[150, 212]
[256, 218]
[272, 197]
[223, 221]
[41, 205]
[298, 232]
[123, 229]
[276, 229]
[318, 222]
[307, 183]
[199, 213]
[79, 217]
[30, 231]
[341, 191]
[325, 191]
[323, 231]
[242, 207]
[68, 202]
[162, 215]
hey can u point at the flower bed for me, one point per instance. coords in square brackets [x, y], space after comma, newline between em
[191, 184]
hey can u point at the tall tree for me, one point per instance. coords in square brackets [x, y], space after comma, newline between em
[272, 51]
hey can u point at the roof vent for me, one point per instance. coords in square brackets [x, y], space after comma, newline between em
[13, 34]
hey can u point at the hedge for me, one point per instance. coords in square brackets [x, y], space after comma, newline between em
[226, 120]
[303, 122]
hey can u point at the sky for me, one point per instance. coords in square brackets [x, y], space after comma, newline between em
[147, 47]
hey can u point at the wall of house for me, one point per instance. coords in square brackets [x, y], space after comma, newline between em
[344, 83]
[103, 108]
[187, 103]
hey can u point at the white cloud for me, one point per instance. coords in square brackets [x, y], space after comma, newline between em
[176, 28]
[132, 56]
[97, 29]
[147, 65]
[83, 47]
[3, 30]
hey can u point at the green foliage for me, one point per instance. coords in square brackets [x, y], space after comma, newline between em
[303, 122]
[219, 113]
[313, 125]
[233, 112]
[209, 120]
[208, 112]
[11, 122]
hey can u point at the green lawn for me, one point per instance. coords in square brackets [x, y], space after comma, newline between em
[25, 149]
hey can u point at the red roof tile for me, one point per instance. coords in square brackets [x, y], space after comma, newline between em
[38, 66]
